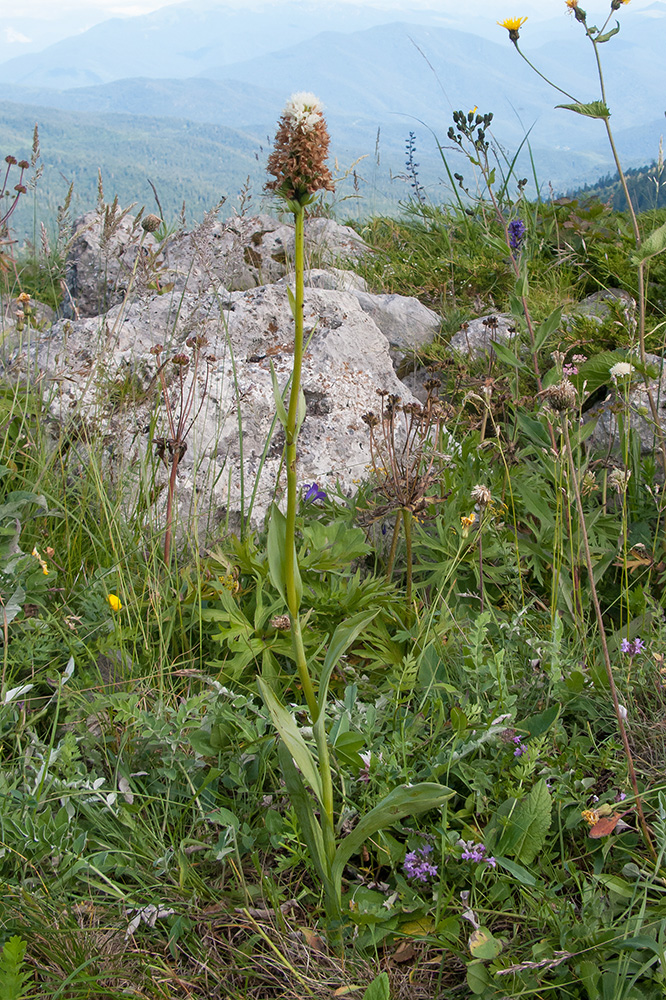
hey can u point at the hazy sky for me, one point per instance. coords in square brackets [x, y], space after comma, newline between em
[49, 10]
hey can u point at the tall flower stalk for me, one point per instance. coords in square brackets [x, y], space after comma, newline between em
[298, 165]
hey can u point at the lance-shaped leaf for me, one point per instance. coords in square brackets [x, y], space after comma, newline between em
[290, 735]
[608, 34]
[277, 396]
[406, 800]
[310, 828]
[595, 109]
[651, 245]
[276, 547]
[548, 327]
[343, 637]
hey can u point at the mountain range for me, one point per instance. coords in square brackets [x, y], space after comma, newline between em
[169, 74]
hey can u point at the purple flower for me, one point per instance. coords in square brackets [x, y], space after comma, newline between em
[417, 866]
[517, 230]
[476, 852]
[520, 747]
[632, 648]
[569, 370]
[312, 493]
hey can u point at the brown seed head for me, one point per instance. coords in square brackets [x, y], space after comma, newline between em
[150, 223]
[561, 396]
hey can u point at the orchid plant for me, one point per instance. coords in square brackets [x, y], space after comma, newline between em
[298, 164]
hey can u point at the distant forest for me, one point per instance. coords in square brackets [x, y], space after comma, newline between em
[647, 188]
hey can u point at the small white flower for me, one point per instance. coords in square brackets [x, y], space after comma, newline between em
[623, 712]
[621, 370]
[304, 110]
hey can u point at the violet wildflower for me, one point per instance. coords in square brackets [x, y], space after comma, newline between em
[632, 648]
[520, 747]
[517, 230]
[312, 492]
[417, 866]
[569, 370]
[476, 852]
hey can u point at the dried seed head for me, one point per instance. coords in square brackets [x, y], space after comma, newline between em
[23, 164]
[481, 495]
[281, 622]
[150, 223]
[371, 419]
[180, 360]
[560, 397]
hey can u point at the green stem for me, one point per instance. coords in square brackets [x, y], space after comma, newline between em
[291, 432]
[539, 73]
[394, 546]
[407, 524]
[602, 637]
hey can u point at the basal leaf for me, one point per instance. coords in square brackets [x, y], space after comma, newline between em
[406, 800]
[379, 988]
[302, 804]
[290, 735]
[595, 109]
[532, 818]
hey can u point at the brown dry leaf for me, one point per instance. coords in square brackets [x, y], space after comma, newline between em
[605, 826]
[313, 940]
[405, 952]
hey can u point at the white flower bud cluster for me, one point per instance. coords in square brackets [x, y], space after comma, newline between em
[304, 110]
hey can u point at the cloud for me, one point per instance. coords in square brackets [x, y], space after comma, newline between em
[11, 36]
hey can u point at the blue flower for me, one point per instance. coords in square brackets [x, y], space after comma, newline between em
[312, 492]
[517, 230]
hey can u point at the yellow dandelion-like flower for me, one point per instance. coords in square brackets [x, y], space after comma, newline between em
[466, 523]
[114, 602]
[512, 25]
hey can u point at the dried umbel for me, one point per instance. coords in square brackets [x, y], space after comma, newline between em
[560, 397]
[298, 161]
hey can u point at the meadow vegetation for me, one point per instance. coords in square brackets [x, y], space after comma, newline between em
[406, 743]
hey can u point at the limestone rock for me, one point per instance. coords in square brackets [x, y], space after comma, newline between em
[106, 379]
[475, 339]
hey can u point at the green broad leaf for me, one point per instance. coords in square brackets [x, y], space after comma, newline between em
[539, 724]
[343, 637]
[13, 605]
[547, 328]
[641, 943]
[519, 873]
[483, 945]
[290, 735]
[651, 245]
[532, 818]
[595, 109]
[478, 977]
[607, 34]
[406, 800]
[277, 396]
[347, 747]
[617, 885]
[459, 721]
[506, 355]
[379, 988]
[302, 804]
